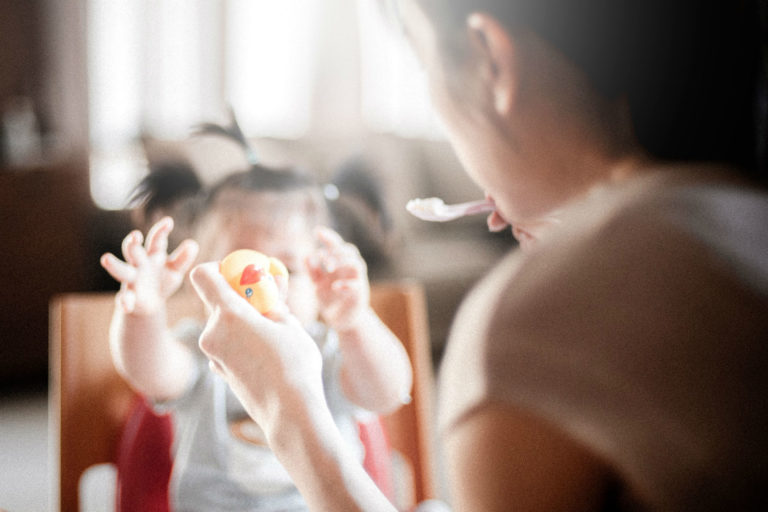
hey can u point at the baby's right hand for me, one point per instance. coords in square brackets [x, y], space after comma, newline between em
[149, 275]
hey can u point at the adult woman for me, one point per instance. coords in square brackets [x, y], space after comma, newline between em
[608, 365]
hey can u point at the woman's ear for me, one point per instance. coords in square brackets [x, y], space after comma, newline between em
[497, 59]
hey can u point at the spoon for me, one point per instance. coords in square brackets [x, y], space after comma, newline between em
[434, 209]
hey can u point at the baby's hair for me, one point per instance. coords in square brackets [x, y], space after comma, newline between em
[357, 209]
[353, 202]
[171, 188]
[232, 132]
[258, 178]
[166, 183]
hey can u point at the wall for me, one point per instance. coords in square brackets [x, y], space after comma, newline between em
[20, 52]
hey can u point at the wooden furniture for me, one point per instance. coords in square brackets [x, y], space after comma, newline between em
[44, 231]
[89, 401]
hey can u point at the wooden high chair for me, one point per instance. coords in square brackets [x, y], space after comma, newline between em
[89, 401]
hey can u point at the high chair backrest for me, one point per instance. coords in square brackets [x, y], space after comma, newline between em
[90, 402]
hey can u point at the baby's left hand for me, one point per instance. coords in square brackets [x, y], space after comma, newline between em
[341, 278]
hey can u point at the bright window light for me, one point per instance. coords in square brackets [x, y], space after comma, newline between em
[269, 64]
[115, 49]
[114, 63]
[115, 171]
[394, 91]
[173, 67]
[160, 67]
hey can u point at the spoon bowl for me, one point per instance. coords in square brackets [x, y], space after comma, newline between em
[434, 209]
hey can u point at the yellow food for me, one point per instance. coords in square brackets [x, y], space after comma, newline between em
[253, 275]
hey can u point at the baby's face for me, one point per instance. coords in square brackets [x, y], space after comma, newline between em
[287, 236]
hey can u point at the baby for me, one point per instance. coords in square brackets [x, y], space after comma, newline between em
[221, 461]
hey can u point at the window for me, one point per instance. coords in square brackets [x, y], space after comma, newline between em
[159, 68]
[149, 68]
[269, 64]
[394, 90]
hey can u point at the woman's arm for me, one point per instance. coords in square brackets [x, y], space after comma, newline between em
[500, 459]
[309, 445]
[275, 369]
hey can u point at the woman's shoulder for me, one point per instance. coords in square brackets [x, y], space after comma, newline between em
[700, 216]
[632, 312]
[633, 266]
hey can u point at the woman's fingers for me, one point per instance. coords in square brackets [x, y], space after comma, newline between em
[212, 288]
[281, 314]
[157, 237]
[118, 269]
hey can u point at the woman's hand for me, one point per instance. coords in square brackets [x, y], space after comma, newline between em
[148, 276]
[341, 278]
[274, 368]
[270, 362]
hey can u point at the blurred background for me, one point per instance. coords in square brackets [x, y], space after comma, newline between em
[93, 92]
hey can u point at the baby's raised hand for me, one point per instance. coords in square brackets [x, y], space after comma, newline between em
[341, 278]
[149, 275]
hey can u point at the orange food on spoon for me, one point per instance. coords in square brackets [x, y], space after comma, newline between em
[255, 277]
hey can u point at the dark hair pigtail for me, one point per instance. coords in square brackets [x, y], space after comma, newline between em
[170, 188]
[232, 132]
[166, 184]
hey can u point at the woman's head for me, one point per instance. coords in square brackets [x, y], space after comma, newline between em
[678, 77]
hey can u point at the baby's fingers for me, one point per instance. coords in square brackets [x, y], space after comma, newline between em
[328, 237]
[157, 238]
[182, 258]
[127, 300]
[133, 252]
[118, 269]
[347, 286]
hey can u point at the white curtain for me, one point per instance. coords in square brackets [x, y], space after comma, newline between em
[289, 68]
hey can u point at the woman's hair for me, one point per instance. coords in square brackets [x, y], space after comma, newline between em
[693, 71]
